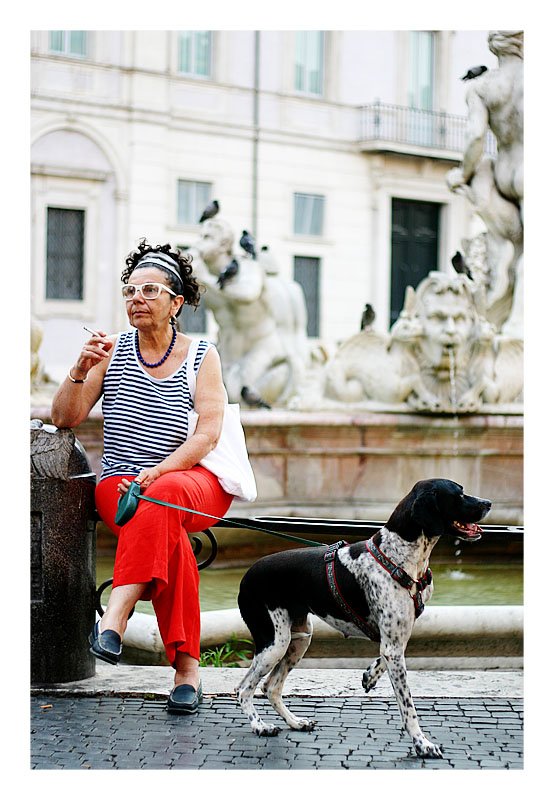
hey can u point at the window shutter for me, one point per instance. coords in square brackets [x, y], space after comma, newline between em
[65, 254]
[306, 273]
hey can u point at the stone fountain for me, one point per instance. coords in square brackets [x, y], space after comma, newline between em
[440, 395]
[442, 355]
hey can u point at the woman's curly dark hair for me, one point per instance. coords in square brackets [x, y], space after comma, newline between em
[190, 289]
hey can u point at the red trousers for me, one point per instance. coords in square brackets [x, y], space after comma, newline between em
[153, 548]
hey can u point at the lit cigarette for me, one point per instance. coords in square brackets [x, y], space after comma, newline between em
[94, 333]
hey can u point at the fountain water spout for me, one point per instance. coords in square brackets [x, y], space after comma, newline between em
[452, 367]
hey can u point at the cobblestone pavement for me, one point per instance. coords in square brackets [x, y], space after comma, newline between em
[102, 732]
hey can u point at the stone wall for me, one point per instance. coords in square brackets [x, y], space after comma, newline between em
[358, 465]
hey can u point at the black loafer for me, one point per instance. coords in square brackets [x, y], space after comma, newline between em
[184, 699]
[105, 645]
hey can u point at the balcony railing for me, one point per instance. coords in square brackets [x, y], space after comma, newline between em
[416, 128]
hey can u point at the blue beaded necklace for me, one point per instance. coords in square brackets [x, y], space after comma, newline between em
[169, 349]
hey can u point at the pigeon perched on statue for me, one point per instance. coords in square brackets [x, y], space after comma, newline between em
[252, 398]
[368, 316]
[267, 261]
[229, 272]
[210, 211]
[474, 72]
[247, 243]
[459, 264]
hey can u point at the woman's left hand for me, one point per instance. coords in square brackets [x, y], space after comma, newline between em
[144, 478]
[148, 476]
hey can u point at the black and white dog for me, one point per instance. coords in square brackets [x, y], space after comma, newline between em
[374, 588]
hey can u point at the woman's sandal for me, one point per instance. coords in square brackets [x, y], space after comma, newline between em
[105, 645]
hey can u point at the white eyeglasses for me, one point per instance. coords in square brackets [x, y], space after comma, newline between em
[149, 291]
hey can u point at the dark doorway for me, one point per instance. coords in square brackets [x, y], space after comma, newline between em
[414, 247]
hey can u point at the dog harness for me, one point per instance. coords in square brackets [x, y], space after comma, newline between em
[402, 577]
[394, 571]
[329, 558]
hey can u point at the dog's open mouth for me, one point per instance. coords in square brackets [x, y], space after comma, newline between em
[468, 530]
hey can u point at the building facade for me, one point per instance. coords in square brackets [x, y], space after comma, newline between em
[330, 147]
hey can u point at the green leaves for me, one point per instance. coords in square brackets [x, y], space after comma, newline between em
[228, 655]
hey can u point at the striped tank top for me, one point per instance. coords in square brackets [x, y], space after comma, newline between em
[145, 418]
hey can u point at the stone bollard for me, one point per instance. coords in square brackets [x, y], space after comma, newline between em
[63, 556]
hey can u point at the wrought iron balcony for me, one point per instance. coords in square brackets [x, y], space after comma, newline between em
[415, 130]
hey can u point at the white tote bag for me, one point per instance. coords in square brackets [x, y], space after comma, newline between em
[229, 459]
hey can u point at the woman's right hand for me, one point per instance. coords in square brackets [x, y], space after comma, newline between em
[95, 350]
[123, 487]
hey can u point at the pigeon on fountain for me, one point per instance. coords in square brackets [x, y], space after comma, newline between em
[368, 316]
[267, 261]
[474, 72]
[210, 211]
[229, 272]
[252, 398]
[247, 243]
[459, 264]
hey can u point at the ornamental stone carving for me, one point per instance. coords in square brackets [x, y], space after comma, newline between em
[442, 354]
[261, 317]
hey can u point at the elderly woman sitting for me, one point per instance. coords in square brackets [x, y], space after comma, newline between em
[142, 376]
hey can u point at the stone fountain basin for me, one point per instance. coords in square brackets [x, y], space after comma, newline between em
[441, 632]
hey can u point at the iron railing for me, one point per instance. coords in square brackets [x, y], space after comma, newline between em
[416, 127]
[353, 529]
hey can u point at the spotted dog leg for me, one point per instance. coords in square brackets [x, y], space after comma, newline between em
[262, 664]
[273, 687]
[396, 665]
[373, 673]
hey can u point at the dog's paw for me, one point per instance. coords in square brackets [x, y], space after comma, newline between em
[302, 724]
[267, 730]
[368, 683]
[425, 748]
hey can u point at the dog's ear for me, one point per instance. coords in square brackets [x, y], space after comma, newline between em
[425, 512]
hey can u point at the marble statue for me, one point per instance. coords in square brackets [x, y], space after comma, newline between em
[43, 387]
[440, 356]
[261, 317]
[495, 186]
[36, 341]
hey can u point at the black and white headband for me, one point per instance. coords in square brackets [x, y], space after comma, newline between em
[161, 261]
